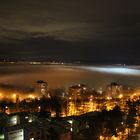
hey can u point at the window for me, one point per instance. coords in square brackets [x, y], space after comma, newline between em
[32, 139]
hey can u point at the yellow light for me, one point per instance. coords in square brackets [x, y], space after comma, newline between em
[0, 94]
[136, 125]
[109, 108]
[114, 138]
[14, 95]
[120, 96]
[101, 137]
[31, 96]
[134, 94]
[108, 98]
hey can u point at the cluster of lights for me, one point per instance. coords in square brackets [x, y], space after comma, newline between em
[109, 98]
[31, 96]
[120, 96]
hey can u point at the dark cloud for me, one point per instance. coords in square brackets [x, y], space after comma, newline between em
[39, 27]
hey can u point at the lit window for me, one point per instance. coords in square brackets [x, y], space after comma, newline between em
[26, 117]
[70, 121]
[31, 138]
[30, 120]
[13, 120]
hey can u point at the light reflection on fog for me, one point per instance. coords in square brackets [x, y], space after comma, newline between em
[61, 76]
[114, 70]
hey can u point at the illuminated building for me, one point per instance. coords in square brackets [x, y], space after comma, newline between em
[77, 91]
[114, 89]
[30, 131]
[38, 130]
[20, 118]
[13, 120]
[14, 134]
[42, 88]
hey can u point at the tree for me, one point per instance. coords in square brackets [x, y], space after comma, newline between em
[3, 105]
[55, 104]
[45, 103]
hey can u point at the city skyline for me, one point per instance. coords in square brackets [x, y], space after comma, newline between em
[69, 70]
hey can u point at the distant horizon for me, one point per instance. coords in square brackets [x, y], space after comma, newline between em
[66, 61]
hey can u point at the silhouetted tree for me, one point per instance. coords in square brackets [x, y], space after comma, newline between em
[3, 105]
[56, 105]
[34, 104]
[24, 105]
[45, 103]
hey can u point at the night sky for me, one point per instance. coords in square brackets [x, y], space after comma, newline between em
[98, 31]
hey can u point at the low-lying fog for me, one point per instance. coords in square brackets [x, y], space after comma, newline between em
[62, 76]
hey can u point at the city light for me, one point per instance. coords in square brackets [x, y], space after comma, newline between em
[121, 96]
[30, 120]
[70, 70]
[1, 94]
[14, 95]
[101, 138]
[78, 104]
[31, 96]
[2, 137]
[70, 121]
[108, 98]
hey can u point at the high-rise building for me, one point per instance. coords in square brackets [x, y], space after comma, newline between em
[42, 88]
[114, 89]
[29, 131]
[78, 91]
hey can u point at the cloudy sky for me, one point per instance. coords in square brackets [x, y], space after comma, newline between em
[91, 30]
